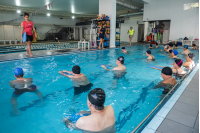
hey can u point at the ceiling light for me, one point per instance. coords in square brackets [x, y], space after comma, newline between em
[18, 2]
[18, 11]
[72, 9]
[73, 17]
[48, 14]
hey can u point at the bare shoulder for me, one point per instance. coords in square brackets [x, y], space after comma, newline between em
[109, 107]
[80, 123]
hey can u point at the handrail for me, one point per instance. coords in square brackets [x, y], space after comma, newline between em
[136, 128]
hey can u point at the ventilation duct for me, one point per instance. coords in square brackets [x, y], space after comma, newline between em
[128, 5]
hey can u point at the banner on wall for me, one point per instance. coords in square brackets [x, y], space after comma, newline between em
[44, 8]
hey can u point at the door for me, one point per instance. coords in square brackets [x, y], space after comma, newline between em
[140, 32]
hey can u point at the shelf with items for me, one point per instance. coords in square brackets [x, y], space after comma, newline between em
[117, 34]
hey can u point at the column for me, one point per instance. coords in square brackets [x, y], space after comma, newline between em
[80, 32]
[108, 7]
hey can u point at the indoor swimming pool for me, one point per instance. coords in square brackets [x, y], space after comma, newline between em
[36, 47]
[131, 96]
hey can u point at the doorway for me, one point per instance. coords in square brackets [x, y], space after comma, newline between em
[140, 32]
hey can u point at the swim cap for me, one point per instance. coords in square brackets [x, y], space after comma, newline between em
[123, 47]
[76, 69]
[148, 51]
[156, 43]
[170, 51]
[191, 55]
[170, 44]
[97, 98]
[167, 71]
[193, 44]
[150, 45]
[121, 59]
[185, 46]
[176, 45]
[179, 62]
[18, 71]
[175, 52]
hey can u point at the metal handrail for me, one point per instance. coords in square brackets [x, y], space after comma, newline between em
[136, 128]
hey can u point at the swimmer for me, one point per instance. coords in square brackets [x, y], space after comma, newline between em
[131, 33]
[80, 81]
[177, 70]
[150, 57]
[170, 47]
[176, 46]
[168, 81]
[173, 54]
[189, 64]
[102, 119]
[27, 26]
[21, 85]
[186, 50]
[156, 45]
[194, 46]
[120, 66]
[124, 50]
[150, 46]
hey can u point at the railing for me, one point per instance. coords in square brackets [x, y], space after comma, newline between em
[51, 34]
[139, 126]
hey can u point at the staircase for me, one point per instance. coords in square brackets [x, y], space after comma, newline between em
[53, 33]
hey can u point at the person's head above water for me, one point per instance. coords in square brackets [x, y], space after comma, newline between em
[18, 72]
[120, 60]
[156, 44]
[166, 72]
[104, 24]
[76, 70]
[176, 45]
[178, 63]
[170, 51]
[190, 56]
[193, 45]
[185, 47]
[170, 44]
[175, 52]
[96, 99]
[26, 16]
[148, 52]
[123, 48]
[150, 45]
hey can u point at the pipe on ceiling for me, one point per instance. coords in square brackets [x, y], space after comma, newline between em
[132, 14]
[133, 7]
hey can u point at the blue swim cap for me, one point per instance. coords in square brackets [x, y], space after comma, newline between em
[175, 52]
[18, 71]
[185, 46]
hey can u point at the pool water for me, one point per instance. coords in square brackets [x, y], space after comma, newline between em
[131, 96]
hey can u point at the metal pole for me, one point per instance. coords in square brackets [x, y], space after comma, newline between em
[4, 35]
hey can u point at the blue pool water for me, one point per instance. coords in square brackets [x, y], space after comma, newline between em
[131, 97]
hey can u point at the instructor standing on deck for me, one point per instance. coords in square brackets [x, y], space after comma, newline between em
[131, 33]
[27, 26]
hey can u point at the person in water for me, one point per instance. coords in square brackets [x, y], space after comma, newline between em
[168, 81]
[156, 45]
[120, 66]
[80, 81]
[131, 32]
[21, 85]
[101, 119]
[176, 46]
[194, 46]
[150, 57]
[177, 70]
[150, 46]
[170, 47]
[173, 54]
[124, 50]
[189, 64]
[102, 35]
[186, 50]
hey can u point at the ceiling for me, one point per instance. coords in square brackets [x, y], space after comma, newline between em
[65, 8]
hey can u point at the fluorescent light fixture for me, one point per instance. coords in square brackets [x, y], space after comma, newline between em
[18, 11]
[73, 17]
[72, 9]
[48, 14]
[17, 2]
[47, 2]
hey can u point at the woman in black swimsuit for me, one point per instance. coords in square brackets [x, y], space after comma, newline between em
[102, 34]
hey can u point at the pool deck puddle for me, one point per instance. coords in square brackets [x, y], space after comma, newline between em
[180, 114]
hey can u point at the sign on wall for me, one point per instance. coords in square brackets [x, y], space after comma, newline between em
[190, 6]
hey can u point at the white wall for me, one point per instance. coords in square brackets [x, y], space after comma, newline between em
[126, 26]
[183, 22]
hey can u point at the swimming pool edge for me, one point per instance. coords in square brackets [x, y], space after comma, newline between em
[156, 121]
